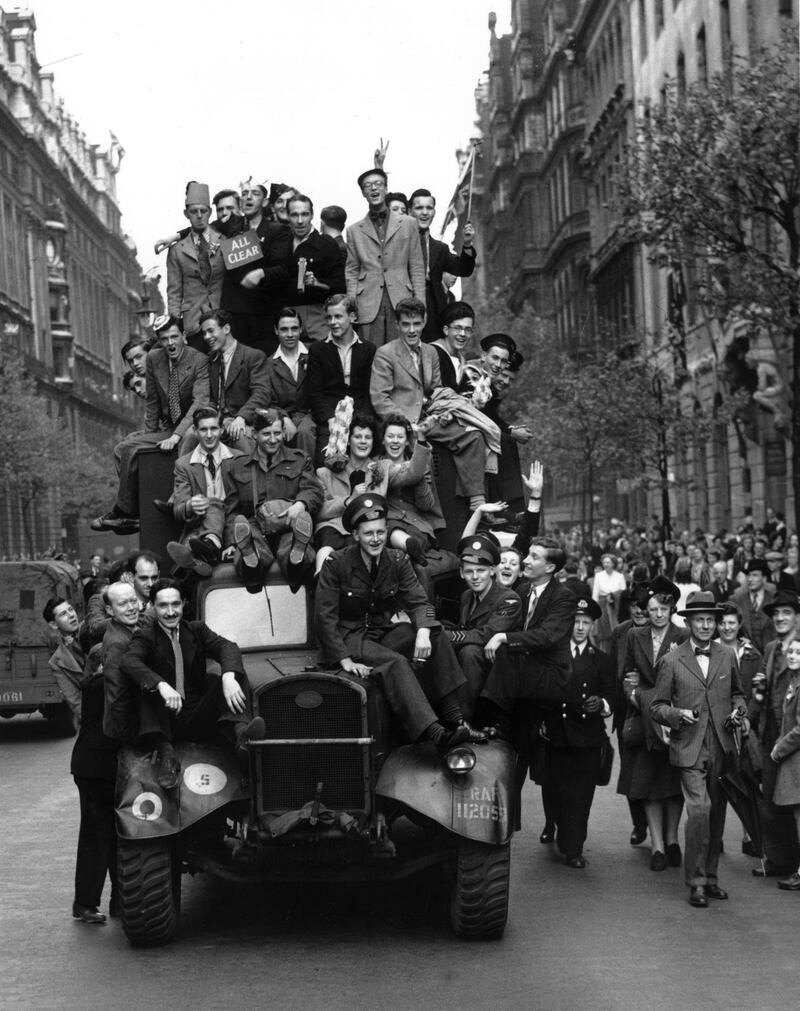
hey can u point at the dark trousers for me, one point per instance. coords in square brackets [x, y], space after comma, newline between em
[383, 328]
[569, 784]
[476, 669]
[97, 841]
[255, 331]
[126, 457]
[410, 697]
[516, 676]
[204, 716]
[705, 813]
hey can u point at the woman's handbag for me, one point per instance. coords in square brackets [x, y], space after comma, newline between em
[633, 729]
[606, 763]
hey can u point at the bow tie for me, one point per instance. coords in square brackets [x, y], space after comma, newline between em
[378, 215]
[700, 651]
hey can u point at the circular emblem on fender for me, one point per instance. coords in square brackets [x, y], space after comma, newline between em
[147, 806]
[308, 700]
[204, 779]
[368, 503]
[476, 545]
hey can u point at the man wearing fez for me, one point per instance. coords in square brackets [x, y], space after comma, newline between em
[317, 270]
[384, 261]
[272, 500]
[486, 608]
[195, 268]
[438, 259]
[575, 734]
[253, 291]
[238, 379]
[699, 697]
[360, 587]
[177, 385]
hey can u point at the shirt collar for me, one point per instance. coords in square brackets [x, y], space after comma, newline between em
[302, 349]
[220, 453]
[229, 351]
[356, 340]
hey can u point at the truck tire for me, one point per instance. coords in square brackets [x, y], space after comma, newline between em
[149, 889]
[479, 896]
[60, 715]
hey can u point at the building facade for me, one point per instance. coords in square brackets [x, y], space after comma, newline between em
[71, 289]
[556, 109]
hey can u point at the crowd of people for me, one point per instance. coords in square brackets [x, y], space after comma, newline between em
[303, 443]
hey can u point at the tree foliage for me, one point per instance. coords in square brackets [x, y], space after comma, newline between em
[40, 460]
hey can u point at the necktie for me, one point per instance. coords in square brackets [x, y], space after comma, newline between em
[178, 655]
[174, 395]
[754, 601]
[575, 650]
[373, 569]
[212, 467]
[475, 601]
[425, 251]
[203, 261]
[701, 651]
[657, 640]
[531, 608]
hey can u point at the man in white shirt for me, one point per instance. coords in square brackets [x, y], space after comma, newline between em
[286, 371]
[198, 497]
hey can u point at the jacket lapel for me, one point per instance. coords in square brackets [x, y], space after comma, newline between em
[236, 366]
[392, 224]
[689, 661]
[405, 359]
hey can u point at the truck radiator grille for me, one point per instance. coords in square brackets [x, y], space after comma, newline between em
[304, 709]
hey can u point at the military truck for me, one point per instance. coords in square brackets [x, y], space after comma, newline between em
[330, 794]
[27, 685]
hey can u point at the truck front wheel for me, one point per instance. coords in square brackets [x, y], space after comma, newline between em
[479, 898]
[149, 889]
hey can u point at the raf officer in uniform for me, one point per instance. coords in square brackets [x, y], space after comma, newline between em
[574, 732]
[360, 588]
[486, 608]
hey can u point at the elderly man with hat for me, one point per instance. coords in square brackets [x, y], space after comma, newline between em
[486, 608]
[177, 386]
[751, 600]
[574, 731]
[361, 588]
[384, 262]
[698, 695]
[195, 267]
[769, 693]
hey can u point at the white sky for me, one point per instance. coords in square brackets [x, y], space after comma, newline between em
[291, 92]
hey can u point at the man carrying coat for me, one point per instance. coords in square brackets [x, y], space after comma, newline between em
[699, 697]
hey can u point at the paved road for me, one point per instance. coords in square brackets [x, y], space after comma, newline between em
[613, 936]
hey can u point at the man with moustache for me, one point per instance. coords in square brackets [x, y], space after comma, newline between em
[323, 274]
[253, 292]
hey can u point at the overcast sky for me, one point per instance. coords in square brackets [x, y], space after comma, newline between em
[289, 92]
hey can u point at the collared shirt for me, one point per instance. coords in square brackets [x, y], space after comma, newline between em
[291, 364]
[214, 485]
[196, 236]
[345, 354]
[299, 242]
[577, 647]
[657, 637]
[702, 661]
[379, 219]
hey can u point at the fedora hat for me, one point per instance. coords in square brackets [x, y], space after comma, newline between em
[701, 602]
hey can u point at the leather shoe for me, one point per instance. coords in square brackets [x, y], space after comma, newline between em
[206, 549]
[548, 834]
[790, 884]
[750, 849]
[163, 507]
[87, 914]
[302, 529]
[116, 523]
[577, 863]
[673, 855]
[185, 559]
[658, 862]
[697, 897]
[638, 836]
[715, 892]
[243, 538]
[253, 731]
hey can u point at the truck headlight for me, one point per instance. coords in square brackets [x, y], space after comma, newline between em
[460, 759]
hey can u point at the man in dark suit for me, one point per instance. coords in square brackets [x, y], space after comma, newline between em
[238, 379]
[120, 716]
[195, 267]
[486, 608]
[752, 600]
[253, 293]
[575, 734]
[359, 589]
[179, 699]
[722, 587]
[323, 273]
[287, 373]
[338, 367]
[533, 664]
[384, 262]
[438, 259]
[177, 385]
[199, 493]
[698, 696]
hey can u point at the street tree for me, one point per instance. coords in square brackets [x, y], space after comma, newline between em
[41, 464]
[711, 185]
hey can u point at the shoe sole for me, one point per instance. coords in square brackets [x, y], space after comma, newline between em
[243, 539]
[303, 528]
[183, 557]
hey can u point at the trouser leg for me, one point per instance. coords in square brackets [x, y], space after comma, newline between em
[393, 673]
[97, 840]
[476, 669]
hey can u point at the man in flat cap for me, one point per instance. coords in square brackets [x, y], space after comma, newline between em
[384, 261]
[195, 268]
[486, 608]
[438, 259]
[752, 600]
[360, 588]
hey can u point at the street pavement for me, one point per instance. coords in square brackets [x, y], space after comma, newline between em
[613, 936]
